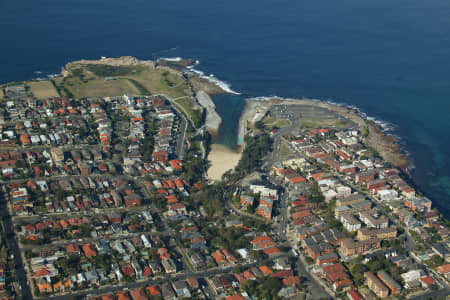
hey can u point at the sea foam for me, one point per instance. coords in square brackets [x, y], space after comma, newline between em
[211, 78]
[174, 59]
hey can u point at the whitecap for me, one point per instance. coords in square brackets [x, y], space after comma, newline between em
[213, 79]
[222, 84]
[172, 59]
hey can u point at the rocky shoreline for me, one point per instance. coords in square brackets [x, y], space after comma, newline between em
[385, 144]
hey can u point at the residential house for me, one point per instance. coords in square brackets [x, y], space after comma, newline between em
[376, 285]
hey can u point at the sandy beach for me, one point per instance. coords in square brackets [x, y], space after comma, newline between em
[221, 159]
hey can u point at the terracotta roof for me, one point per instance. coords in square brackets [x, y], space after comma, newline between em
[266, 270]
[355, 295]
[335, 276]
[128, 270]
[138, 294]
[272, 250]
[42, 272]
[44, 286]
[292, 280]
[154, 290]
[249, 275]
[283, 274]
[236, 297]
[334, 268]
[123, 295]
[427, 280]
[71, 248]
[108, 297]
[58, 285]
[444, 269]
[298, 179]
[219, 257]
[89, 250]
[147, 271]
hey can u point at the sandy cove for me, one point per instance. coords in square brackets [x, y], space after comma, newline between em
[221, 160]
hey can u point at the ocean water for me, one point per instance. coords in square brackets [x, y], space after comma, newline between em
[389, 58]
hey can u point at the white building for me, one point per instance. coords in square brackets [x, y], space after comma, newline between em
[387, 195]
[350, 222]
[146, 241]
[412, 275]
[264, 191]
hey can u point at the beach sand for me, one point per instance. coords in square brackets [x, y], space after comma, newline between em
[222, 159]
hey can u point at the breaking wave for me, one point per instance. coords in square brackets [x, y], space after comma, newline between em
[174, 59]
[211, 78]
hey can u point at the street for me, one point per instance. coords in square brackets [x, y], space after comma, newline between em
[14, 247]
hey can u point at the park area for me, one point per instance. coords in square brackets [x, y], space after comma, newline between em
[42, 89]
[97, 80]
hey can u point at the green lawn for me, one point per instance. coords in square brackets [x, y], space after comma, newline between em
[102, 80]
[193, 110]
[270, 123]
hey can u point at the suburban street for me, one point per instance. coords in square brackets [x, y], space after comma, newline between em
[14, 248]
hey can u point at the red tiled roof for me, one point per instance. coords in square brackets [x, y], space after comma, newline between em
[266, 270]
[283, 274]
[271, 250]
[292, 280]
[73, 248]
[355, 295]
[154, 290]
[128, 270]
[123, 295]
[138, 294]
[444, 269]
[219, 257]
[298, 179]
[236, 297]
[249, 275]
[427, 280]
[147, 271]
[42, 272]
[334, 268]
[335, 276]
[89, 250]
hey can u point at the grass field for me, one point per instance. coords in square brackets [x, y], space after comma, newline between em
[191, 108]
[42, 89]
[1, 93]
[285, 151]
[161, 82]
[271, 122]
[102, 80]
[97, 87]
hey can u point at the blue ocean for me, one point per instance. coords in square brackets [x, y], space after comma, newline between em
[390, 58]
